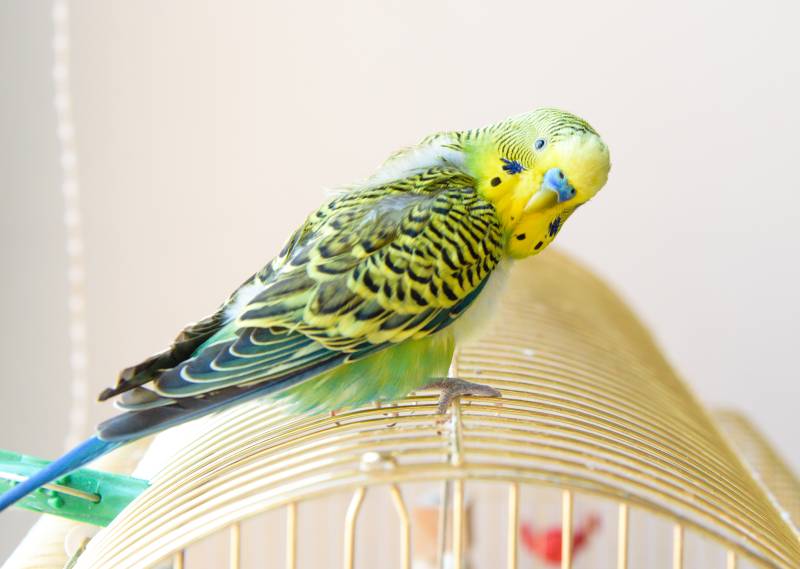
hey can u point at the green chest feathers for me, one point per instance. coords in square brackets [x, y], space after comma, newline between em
[385, 376]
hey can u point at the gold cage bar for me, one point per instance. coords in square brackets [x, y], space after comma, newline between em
[291, 536]
[677, 547]
[512, 532]
[566, 529]
[622, 536]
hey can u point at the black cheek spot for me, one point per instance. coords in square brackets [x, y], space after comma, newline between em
[538, 245]
[496, 181]
[520, 237]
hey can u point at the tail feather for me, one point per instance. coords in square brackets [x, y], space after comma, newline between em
[81, 455]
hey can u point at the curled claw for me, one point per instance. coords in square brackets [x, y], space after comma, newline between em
[451, 388]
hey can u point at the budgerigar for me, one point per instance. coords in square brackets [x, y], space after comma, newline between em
[369, 297]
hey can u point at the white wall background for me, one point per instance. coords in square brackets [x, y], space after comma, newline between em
[207, 130]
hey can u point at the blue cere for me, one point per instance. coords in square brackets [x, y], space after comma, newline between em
[554, 179]
[512, 166]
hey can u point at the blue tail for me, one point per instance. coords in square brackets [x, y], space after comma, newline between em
[82, 454]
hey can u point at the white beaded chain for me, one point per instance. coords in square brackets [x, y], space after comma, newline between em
[70, 192]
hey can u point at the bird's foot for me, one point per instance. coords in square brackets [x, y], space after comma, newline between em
[451, 388]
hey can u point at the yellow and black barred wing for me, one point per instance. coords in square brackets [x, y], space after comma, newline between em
[376, 267]
[370, 269]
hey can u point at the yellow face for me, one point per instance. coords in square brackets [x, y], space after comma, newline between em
[537, 169]
[584, 161]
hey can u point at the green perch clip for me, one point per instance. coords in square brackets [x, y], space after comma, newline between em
[85, 495]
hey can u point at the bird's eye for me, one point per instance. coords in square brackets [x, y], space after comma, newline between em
[539, 143]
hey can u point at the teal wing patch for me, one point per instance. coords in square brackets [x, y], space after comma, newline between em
[256, 355]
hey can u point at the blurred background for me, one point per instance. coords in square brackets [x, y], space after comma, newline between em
[205, 131]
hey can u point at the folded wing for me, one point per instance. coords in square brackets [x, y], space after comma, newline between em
[371, 268]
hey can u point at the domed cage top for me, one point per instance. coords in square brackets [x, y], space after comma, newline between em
[589, 408]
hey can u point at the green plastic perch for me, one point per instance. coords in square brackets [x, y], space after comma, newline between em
[85, 495]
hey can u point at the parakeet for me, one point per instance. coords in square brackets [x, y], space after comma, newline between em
[370, 296]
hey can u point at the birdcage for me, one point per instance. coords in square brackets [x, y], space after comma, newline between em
[592, 422]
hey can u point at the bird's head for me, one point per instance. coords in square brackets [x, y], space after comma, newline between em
[536, 169]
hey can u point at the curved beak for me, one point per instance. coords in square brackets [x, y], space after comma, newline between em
[555, 189]
[543, 199]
